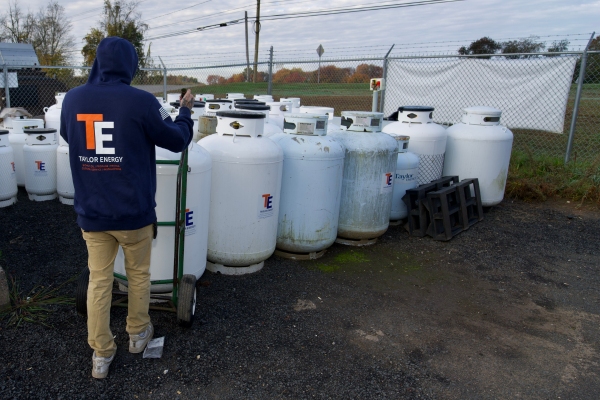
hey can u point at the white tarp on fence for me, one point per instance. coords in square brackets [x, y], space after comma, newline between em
[532, 93]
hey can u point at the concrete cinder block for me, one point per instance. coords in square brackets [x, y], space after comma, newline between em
[4, 297]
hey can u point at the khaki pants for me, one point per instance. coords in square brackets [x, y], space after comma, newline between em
[102, 250]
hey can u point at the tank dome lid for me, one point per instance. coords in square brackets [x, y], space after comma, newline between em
[306, 124]
[252, 107]
[38, 131]
[361, 121]
[197, 104]
[241, 114]
[416, 108]
[481, 116]
[3, 132]
[219, 101]
[482, 110]
[244, 100]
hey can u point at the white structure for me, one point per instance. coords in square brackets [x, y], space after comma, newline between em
[479, 147]
[270, 129]
[196, 218]
[64, 180]
[232, 96]
[244, 202]
[204, 97]
[295, 103]
[39, 157]
[8, 174]
[278, 112]
[263, 97]
[212, 106]
[311, 187]
[369, 168]
[329, 111]
[427, 139]
[17, 139]
[406, 177]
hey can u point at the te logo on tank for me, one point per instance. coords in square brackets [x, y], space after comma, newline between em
[12, 164]
[190, 226]
[40, 166]
[265, 208]
[387, 183]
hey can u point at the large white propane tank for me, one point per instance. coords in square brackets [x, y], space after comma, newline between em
[367, 190]
[329, 111]
[479, 147]
[64, 180]
[406, 177]
[17, 139]
[207, 123]
[278, 112]
[39, 157]
[173, 97]
[244, 200]
[232, 96]
[263, 97]
[270, 129]
[8, 174]
[196, 218]
[311, 187]
[204, 97]
[427, 139]
[295, 103]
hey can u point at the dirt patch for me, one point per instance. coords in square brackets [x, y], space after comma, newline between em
[508, 309]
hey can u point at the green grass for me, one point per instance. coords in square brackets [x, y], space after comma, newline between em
[540, 177]
[36, 305]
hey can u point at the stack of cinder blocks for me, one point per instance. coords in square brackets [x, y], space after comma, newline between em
[443, 208]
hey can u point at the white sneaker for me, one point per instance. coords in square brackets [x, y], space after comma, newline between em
[137, 343]
[100, 365]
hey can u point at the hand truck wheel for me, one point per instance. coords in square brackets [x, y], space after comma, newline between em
[186, 301]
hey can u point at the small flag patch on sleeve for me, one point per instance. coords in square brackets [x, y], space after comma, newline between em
[164, 113]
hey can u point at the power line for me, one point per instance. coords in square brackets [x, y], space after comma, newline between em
[306, 14]
[173, 12]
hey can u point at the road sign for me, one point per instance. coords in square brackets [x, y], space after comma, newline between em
[320, 50]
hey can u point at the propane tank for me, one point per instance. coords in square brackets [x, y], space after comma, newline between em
[17, 139]
[244, 202]
[173, 97]
[8, 174]
[232, 96]
[161, 101]
[329, 111]
[427, 139]
[64, 179]
[207, 124]
[369, 166]
[278, 112]
[270, 129]
[39, 156]
[311, 187]
[406, 177]
[204, 97]
[196, 218]
[479, 147]
[263, 97]
[295, 103]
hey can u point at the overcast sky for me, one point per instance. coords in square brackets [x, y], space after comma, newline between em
[363, 33]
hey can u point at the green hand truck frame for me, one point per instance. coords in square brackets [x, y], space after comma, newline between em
[183, 298]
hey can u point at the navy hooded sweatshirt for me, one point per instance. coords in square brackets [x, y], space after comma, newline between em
[112, 130]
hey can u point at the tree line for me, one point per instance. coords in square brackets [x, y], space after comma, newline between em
[327, 74]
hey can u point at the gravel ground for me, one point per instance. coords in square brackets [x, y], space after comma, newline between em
[508, 309]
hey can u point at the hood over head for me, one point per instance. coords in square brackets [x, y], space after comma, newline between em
[116, 61]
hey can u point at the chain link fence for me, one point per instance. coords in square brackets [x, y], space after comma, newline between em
[340, 83]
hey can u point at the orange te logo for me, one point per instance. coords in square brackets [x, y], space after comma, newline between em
[94, 138]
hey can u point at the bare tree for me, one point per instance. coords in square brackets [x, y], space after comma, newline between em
[52, 39]
[16, 26]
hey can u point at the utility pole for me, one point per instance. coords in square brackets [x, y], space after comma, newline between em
[247, 51]
[256, 31]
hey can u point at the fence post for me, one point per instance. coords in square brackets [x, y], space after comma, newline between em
[6, 89]
[270, 87]
[577, 98]
[385, 65]
[164, 79]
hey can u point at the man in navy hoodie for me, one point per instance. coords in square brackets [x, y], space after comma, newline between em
[112, 130]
